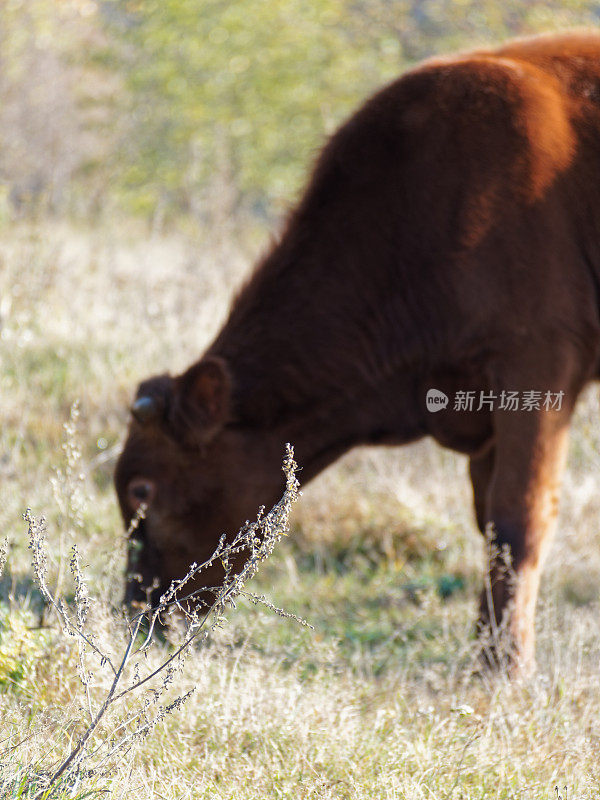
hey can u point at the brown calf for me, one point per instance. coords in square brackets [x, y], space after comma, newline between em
[449, 238]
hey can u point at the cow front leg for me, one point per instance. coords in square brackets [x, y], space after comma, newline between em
[481, 469]
[521, 504]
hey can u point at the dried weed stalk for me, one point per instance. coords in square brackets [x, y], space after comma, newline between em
[495, 642]
[3, 555]
[111, 727]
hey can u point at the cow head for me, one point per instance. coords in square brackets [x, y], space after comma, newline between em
[199, 475]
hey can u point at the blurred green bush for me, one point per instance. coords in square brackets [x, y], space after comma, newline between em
[208, 108]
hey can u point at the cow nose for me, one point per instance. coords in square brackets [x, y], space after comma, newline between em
[140, 490]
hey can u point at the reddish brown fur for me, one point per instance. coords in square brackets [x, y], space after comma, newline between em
[449, 238]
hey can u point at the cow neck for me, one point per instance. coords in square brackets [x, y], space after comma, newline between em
[309, 359]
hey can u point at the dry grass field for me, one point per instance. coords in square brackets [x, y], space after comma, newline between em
[379, 700]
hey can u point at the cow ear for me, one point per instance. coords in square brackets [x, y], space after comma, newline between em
[201, 400]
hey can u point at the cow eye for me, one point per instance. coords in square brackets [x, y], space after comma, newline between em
[140, 490]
